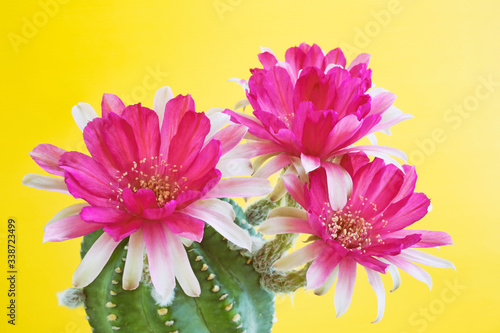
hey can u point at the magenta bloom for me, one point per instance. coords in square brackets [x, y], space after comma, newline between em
[311, 108]
[156, 184]
[365, 225]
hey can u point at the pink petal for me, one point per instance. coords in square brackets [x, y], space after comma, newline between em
[273, 165]
[218, 120]
[180, 263]
[160, 260]
[220, 215]
[310, 163]
[230, 136]
[295, 57]
[285, 225]
[86, 178]
[94, 261]
[132, 272]
[322, 268]
[345, 286]
[240, 187]
[314, 57]
[185, 226]
[381, 102]
[111, 103]
[335, 56]
[253, 149]
[47, 157]
[295, 187]
[404, 212]
[138, 202]
[378, 287]
[428, 238]
[68, 228]
[363, 58]
[254, 125]
[190, 135]
[68, 211]
[174, 112]
[122, 230]
[268, 60]
[328, 283]
[111, 142]
[300, 257]
[162, 96]
[145, 125]
[83, 113]
[46, 183]
[105, 215]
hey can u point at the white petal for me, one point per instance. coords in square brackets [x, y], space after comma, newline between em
[240, 187]
[339, 185]
[83, 113]
[186, 241]
[68, 211]
[162, 96]
[266, 49]
[46, 183]
[94, 261]
[288, 212]
[345, 286]
[183, 271]
[272, 166]
[217, 121]
[160, 261]
[378, 287]
[235, 167]
[372, 138]
[134, 262]
[285, 225]
[412, 269]
[220, 215]
[310, 163]
[300, 256]
[426, 259]
[393, 270]
[328, 283]
[241, 104]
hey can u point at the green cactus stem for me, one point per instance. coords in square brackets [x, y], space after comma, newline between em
[231, 300]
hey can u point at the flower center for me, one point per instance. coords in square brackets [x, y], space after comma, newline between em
[154, 174]
[348, 228]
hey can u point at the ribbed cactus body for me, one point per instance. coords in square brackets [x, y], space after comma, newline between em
[231, 300]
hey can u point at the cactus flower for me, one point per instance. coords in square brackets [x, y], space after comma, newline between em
[363, 224]
[312, 108]
[154, 175]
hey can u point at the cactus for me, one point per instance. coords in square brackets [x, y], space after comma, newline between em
[232, 299]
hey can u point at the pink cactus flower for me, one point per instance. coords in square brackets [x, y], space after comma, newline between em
[153, 175]
[363, 224]
[311, 108]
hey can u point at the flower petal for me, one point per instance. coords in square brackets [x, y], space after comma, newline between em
[47, 157]
[295, 187]
[83, 113]
[111, 104]
[345, 286]
[378, 287]
[412, 269]
[328, 283]
[310, 163]
[185, 226]
[339, 185]
[285, 225]
[288, 212]
[300, 257]
[94, 261]
[425, 259]
[220, 215]
[145, 125]
[46, 183]
[230, 136]
[162, 96]
[240, 187]
[68, 227]
[180, 263]
[272, 166]
[159, 258]
[234, 167]
[428, 238]
[132, 272]
[322, 267]
[68, 211]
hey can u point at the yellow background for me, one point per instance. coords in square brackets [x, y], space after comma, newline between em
[435, 55]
